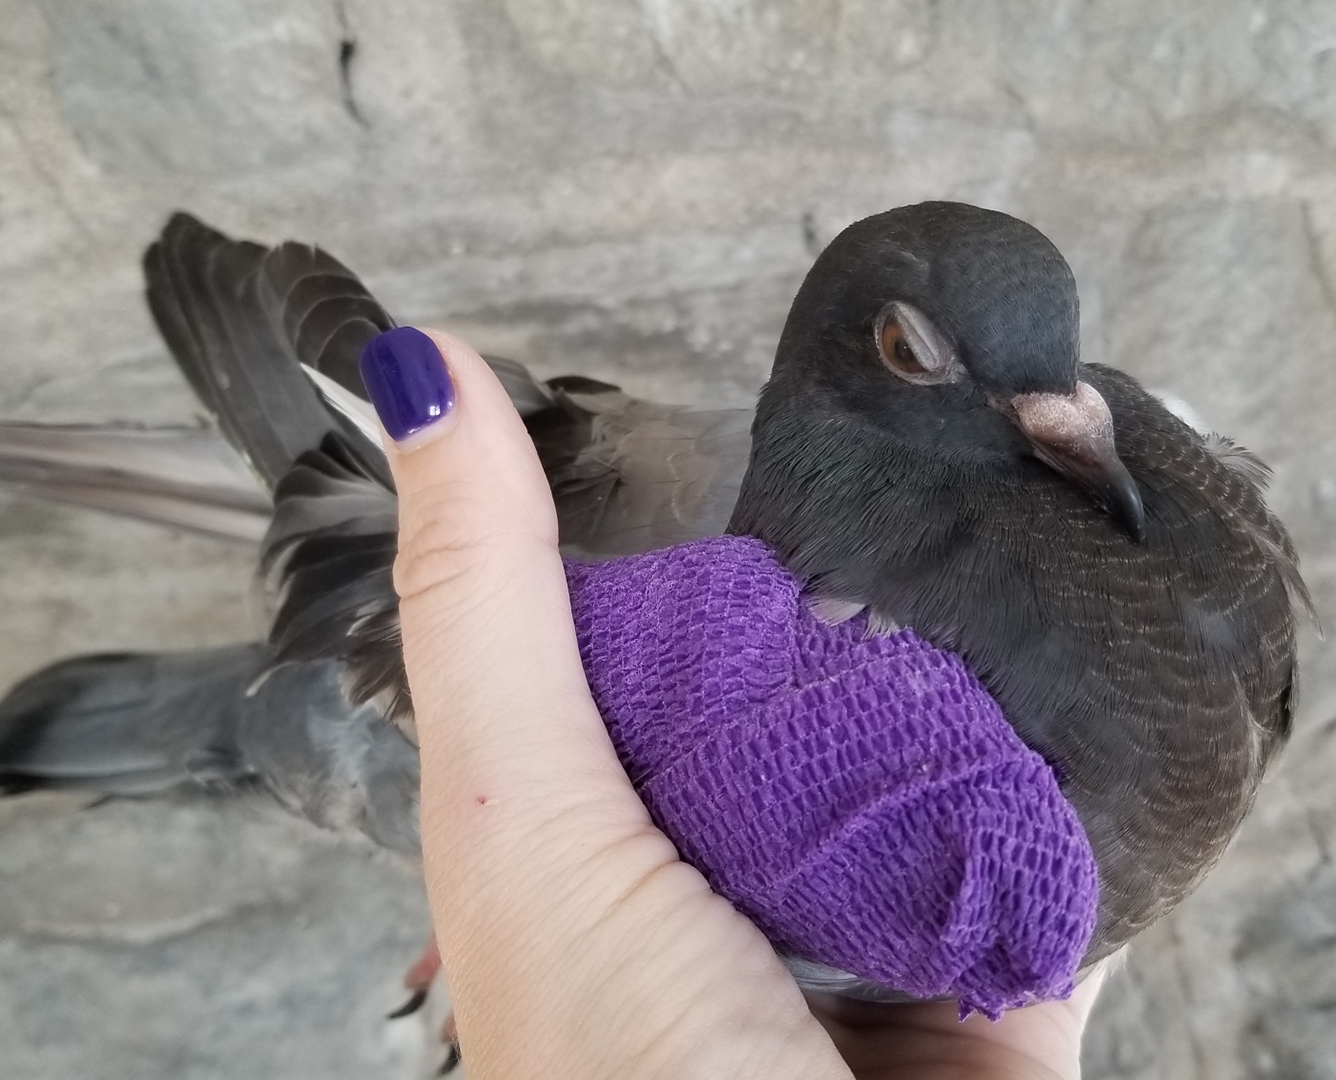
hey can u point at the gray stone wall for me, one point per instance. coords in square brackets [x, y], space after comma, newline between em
[630, 189]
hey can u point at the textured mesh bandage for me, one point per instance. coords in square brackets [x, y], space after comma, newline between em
[861, 799]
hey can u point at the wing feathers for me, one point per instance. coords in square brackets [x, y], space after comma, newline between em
[242, 321]
[240, 318]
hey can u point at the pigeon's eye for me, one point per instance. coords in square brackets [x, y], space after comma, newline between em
[912, 348]
[896, 352]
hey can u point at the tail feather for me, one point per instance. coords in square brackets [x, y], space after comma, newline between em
[185, 477]
[141, 723]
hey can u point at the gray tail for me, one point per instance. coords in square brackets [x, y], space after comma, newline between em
[141, 723]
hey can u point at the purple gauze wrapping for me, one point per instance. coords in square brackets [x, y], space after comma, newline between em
[860, 798]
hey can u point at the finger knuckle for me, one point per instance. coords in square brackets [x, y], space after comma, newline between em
[438, 558]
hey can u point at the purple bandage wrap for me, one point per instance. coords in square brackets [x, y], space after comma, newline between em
[860, 798]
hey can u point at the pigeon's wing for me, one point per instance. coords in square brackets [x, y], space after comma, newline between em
[241, 319]
[175, 476]
[630, 476]
[328, 562]
[626, 475]
[626, 479]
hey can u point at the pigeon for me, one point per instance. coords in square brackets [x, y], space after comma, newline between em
[929, 451]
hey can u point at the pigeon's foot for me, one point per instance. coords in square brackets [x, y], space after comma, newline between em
[450, 1040]
[418, 982]
[419, 979]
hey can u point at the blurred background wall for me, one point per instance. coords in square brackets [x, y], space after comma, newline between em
[630, 189]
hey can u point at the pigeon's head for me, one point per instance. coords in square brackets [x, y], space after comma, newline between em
[954, 330]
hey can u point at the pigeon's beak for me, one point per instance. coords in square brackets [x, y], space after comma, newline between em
[1073, 435]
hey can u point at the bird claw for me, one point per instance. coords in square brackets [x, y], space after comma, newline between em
[450, 1037]
[451, 1062]
[418, 980]
[409, 1007]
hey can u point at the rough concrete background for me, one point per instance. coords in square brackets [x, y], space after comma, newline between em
[630, 189]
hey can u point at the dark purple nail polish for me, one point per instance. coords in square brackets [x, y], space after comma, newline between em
[407, 381]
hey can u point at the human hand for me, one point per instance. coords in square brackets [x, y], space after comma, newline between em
[575, 942]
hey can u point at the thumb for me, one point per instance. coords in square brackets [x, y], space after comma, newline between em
[470, 483]
[559, 898]
[489, 643]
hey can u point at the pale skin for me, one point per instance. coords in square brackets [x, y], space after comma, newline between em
[575, 943]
